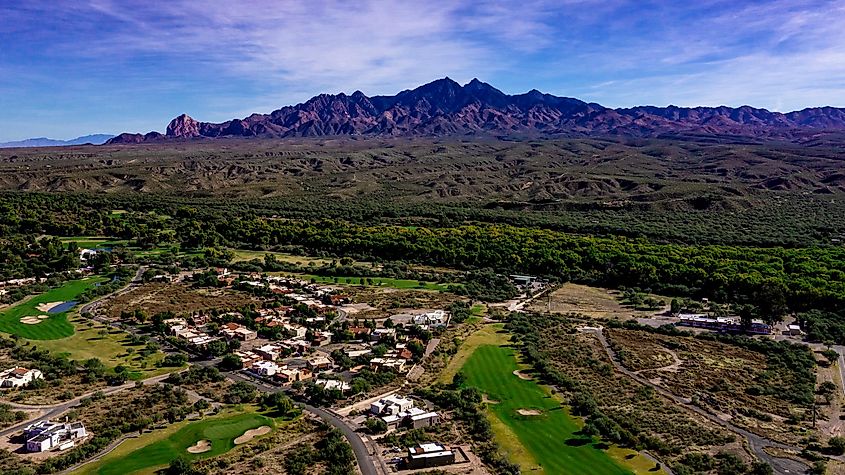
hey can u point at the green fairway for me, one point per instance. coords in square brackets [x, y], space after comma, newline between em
[375, 282]
[221, 431]
[113, 347]
[549, 437]
[94, 242]
[248, 255]
[56, 325]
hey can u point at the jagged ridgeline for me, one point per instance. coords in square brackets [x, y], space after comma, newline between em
[444, 107]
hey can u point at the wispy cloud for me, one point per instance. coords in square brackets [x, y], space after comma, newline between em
[112, 60]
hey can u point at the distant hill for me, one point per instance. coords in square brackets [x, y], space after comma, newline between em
[444, 107]
[95, 139]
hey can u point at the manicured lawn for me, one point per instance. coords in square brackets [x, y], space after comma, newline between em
[376, 282]
[94, 242]
[488, 335]
[248, 255]
[54, 327]
[95, 340]
[547, 441]
[102, 242]
[160, 448]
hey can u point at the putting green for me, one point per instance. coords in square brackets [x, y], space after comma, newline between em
[527, 411]
[53, 327]
[220, 431]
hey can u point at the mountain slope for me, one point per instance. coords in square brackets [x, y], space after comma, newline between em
[95, 139]
[444, 107]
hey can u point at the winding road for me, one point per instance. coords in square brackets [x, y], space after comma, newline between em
[365, 461]
[756, 443]
[55, 410]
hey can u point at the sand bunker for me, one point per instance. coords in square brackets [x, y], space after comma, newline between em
[529, 412]
[252, 433]
[43, 317]
[521, 375]
[45, 307]
[30, 320]
[200, 447]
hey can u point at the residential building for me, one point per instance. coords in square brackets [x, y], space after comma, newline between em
[393, 420]
[360, 332]
[322, 338]
[235, 331]
[426, 419]
[292, 375]
[269, 352]
[393, 404]
[319, 363]
[294, 331]
[354, 353]
[45, 435]
[380, 333]
[433, 319]
[723, 324]
[429, 455]
[333, 385]
[266, 368]
[397, 365]
[248, 358]
[18, 377]
[175, 324]
[523, 280]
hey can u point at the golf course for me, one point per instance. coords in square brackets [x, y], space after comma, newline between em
[36, 319]
[532, 425]
[205, 438]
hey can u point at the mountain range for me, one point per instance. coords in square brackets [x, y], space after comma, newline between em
[95, 139]
[444, 107]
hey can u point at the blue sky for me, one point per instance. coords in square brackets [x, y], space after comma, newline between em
[69, 68]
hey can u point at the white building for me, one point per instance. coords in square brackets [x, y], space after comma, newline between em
[393, 404]
[266, 368]
[19, 377]
[45, 435]
[333, 385]
[397, 365]
[436, 318]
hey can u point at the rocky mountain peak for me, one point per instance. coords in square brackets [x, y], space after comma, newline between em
[444, 107]
[183, 126]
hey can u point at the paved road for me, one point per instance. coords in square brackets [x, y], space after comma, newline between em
[55, 410]
[841, 363]
[136, 281]
[755, 442]
[365, 461]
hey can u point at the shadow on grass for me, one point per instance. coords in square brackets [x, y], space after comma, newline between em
[578, 441]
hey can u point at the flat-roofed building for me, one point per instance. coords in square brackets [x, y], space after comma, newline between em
[429, 455]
